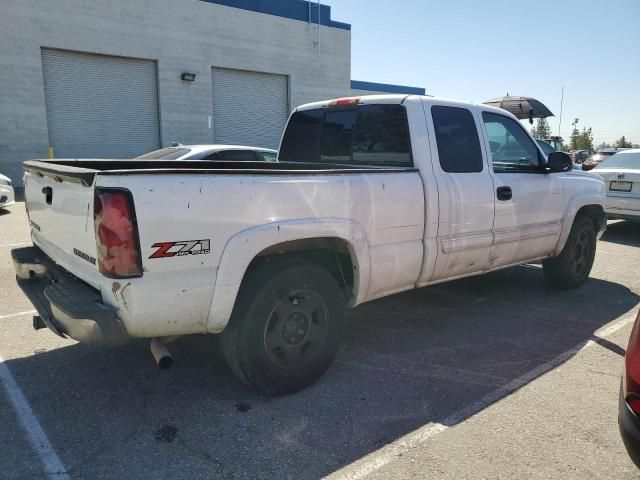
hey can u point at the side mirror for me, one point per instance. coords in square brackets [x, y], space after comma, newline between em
[559, 162]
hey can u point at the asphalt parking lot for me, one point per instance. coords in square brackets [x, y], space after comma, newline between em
[497, 376]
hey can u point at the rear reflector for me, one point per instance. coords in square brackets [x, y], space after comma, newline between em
[341, 102]
[116, 233]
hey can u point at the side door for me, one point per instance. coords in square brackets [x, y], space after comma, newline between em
[465, 192]
[529, 201]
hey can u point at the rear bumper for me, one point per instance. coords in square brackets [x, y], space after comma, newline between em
[66, 305]
[629, 425]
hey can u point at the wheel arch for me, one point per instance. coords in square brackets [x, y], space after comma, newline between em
[587, 205]
[316, 240]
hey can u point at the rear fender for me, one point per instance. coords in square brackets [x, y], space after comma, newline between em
[243, 248]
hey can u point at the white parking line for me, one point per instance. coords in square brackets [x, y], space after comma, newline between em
[378, 459]
[14, 244]
[53, 467]
[11, 315]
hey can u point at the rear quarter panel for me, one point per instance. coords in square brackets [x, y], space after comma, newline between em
[175, 293]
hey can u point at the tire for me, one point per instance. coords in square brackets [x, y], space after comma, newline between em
[571, 268]
[286, 327]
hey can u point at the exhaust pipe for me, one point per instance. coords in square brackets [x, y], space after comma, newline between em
[161, 355]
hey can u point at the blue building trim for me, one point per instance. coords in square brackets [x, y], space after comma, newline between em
[294, 9]
[385, 87]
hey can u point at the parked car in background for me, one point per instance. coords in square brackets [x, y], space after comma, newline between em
[629, 403]
[547, 148]
[7, 196]
[579, 156]
[621, 173]
[235, 153]
[599, 156]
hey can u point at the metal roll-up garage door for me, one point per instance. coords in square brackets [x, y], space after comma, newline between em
[100, 106]
[249, 108]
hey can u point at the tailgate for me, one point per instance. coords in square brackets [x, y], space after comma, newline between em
[60, 208]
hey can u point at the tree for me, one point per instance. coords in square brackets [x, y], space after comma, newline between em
[584, 139]
[604, 145]
[623, 143]
[575, 133]
[542, 129]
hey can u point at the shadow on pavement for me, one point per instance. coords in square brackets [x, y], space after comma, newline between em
[408, 360]
[623, 232]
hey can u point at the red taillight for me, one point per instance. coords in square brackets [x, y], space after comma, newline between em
[341, 102]
[634, 403]
[632, 362]
[116, 233]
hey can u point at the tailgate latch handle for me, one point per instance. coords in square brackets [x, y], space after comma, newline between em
[48, 192]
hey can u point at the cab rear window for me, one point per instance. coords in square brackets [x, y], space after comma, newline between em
[361, 134]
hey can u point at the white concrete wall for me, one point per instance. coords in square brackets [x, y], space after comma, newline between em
[181, 35]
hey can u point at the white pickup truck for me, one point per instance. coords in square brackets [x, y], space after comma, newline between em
[370, 196]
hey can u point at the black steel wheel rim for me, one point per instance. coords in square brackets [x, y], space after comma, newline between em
[296, 329]
[581, 252]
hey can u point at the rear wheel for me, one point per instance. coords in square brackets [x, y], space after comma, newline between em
[572, 267]
[286, 327]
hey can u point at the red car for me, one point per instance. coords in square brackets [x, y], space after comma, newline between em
[629, 406]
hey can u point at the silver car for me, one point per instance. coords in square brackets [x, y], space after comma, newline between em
[6, 192]
[233, 153]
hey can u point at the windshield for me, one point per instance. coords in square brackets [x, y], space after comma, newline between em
[623, 161]
[598, 157]
[546, 148]
[170, 153]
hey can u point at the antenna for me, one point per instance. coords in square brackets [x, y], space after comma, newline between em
[316, 44]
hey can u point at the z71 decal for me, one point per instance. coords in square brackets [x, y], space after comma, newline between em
[179, 249]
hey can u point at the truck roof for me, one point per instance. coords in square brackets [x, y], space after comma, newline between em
[400, 98]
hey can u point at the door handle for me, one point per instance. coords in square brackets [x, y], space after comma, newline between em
[48, 193]
[504, 193]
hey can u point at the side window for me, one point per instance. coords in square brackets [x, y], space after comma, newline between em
[267, 156]
[457, 138]
[381, 135]
[337, 135]
[237, 155]
[511, 148]
[211, 156]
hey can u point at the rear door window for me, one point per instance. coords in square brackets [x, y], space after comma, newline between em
[361, 134]
[457, 138]
[237, 155]
[267, 156]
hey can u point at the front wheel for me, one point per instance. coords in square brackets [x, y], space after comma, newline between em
[572, 267]
[286, 327]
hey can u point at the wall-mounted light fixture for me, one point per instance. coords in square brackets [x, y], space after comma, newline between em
[188, 77]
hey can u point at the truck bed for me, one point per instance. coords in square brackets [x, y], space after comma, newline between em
[84, 170]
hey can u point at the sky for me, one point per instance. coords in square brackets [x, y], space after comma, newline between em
[476, 50]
